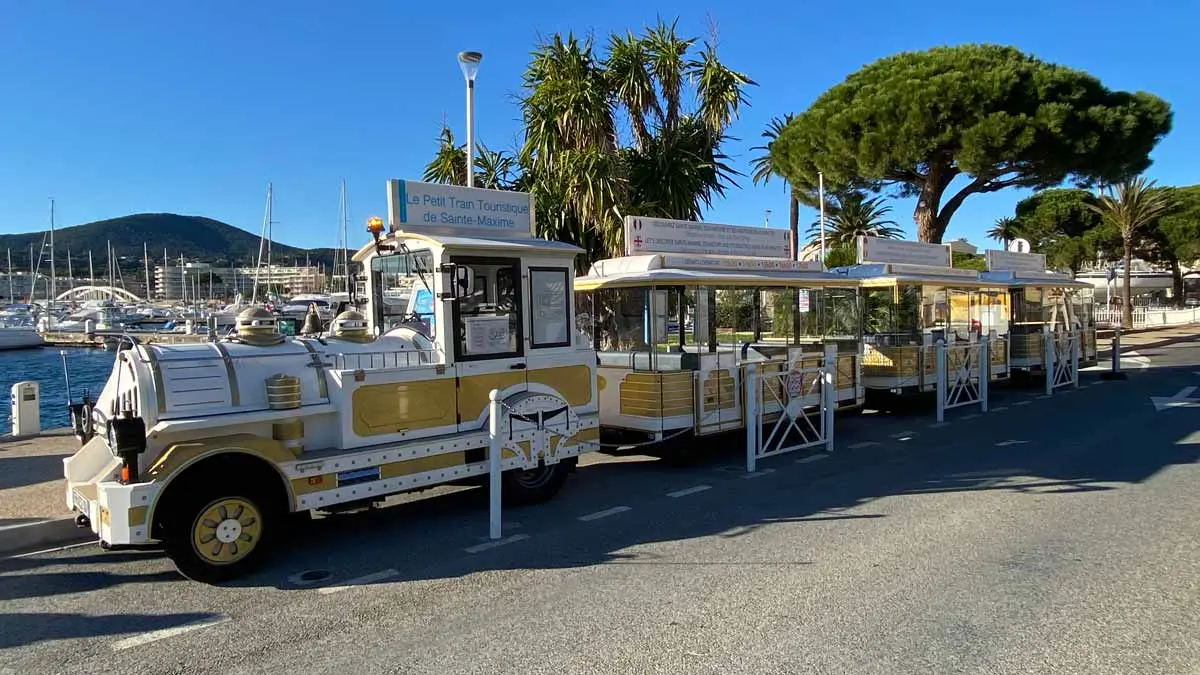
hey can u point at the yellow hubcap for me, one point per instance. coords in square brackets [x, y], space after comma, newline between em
[226, 530]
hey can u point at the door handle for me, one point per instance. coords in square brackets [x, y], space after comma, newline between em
[517, 366]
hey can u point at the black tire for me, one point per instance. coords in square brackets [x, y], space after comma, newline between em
[534, 486]
[208, 516]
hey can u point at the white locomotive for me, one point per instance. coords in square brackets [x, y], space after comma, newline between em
[203, 448]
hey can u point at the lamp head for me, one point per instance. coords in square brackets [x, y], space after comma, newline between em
[469, 62]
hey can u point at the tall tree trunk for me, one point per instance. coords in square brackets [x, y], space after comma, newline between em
[794, 226]
[1127, 298]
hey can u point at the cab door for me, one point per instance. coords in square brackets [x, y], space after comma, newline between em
[488, 336]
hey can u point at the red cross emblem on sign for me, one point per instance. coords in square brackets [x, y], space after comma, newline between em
[637, 242]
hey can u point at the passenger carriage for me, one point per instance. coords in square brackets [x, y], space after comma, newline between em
[913, 298]
[674, 329]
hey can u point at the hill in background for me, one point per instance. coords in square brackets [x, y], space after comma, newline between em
[195, 237]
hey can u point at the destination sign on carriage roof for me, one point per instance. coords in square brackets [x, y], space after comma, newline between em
[692, 238]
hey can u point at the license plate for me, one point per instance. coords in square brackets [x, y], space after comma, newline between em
[81, 503]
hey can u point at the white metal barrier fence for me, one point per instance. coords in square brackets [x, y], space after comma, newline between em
[1062, 360]
[796, 404]
[962, 376]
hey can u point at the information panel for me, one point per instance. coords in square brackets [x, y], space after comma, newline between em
[1011, 261]
[659, 235]
[878, 250]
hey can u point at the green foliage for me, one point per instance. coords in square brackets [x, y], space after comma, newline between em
[1062, 224]
[967, 261]
[1005, 230]
[916, 121]
[673, 94]
[852, 214]
[1179, 230]
[840, 256]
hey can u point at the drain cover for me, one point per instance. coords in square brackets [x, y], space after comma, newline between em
[309, 577]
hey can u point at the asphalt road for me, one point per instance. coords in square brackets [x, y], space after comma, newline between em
[1054, 534]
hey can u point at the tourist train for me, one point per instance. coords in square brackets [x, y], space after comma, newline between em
[203, 449]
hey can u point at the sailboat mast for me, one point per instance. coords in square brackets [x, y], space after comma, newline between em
[263, 242]
[343, 252]
[166, 270]
[10, 283]
[70, 272]
[146, 265]
[108, 245]
[53, 286]
[270, 232]
[91, 270]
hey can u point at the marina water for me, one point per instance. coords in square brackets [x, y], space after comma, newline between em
[89, 368]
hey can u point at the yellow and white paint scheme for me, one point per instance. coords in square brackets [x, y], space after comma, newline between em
[899, 354]
[362, 415]
[653, 387]
[1064, 304]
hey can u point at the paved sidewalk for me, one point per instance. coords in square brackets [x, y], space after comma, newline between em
[31, 476]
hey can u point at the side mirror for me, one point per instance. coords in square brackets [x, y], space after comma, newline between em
[457, 280]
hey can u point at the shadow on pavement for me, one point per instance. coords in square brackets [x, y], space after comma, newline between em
[21, 628]
[29, 470]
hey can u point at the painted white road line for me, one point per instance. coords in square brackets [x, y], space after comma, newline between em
[969, 417]
[999, 408]
[1042, 397]
[605, 513]
[689, 491]
[156, 635]
[759, 474]
[812, 458]
[1023, 402]
[359, 581]
[1005, 444]
[489, 545]
[862, 444]
[902, 434]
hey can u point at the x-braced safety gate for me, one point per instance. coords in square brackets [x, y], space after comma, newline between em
[1062, 360]
[789, 410]
[963, 371]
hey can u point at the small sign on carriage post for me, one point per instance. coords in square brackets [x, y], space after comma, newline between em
[795, 383]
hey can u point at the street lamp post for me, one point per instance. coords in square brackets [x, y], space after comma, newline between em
[469, 62]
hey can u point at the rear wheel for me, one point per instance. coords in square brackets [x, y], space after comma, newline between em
[216, 537]
[534, 486]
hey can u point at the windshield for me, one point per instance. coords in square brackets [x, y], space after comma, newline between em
[402, 291]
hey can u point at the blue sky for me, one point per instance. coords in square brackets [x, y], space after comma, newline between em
[189, 107]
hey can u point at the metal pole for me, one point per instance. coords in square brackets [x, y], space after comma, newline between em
[1075, 339]
[940, 388]
[985, 372]
[1049, 363]
[821, 192]
[829, 397]
[495, 528]
[752, 426]
[470, 133]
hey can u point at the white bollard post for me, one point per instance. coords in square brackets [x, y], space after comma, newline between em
[26, 409]
[1075, 340]
[1048, 363]
[752, 426]
[940, 388]
[829, 394]
[495, 529]
[985, 371]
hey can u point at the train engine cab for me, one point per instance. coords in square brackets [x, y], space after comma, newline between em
[204, 448]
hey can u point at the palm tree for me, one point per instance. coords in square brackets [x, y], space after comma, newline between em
[493, 170]
[852, 214]
[1131, 207]
[1005, 230]
[762, 172]
[585, 173]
